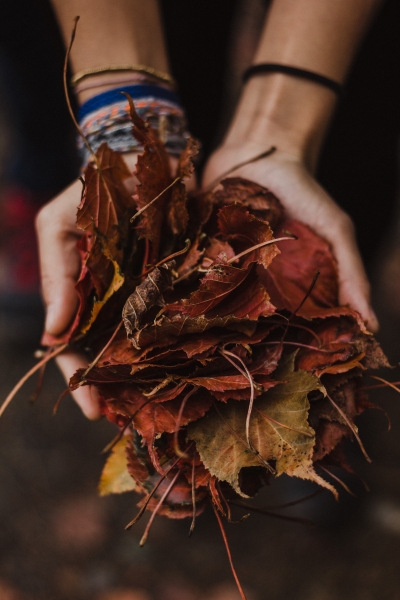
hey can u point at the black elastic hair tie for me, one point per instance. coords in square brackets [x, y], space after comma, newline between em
[295, 72]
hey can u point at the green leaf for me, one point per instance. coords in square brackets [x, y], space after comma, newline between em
[279, 431]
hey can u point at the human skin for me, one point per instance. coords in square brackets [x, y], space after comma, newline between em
[289, 113]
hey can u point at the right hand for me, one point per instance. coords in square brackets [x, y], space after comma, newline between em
[60, 265]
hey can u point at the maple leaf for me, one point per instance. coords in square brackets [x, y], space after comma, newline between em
[279, 431]
[154, 175]
[115, 477]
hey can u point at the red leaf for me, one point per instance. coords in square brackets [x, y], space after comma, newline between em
[291, 273]
[238, 225]
[259, 200]
[177, 212]
[154, 175]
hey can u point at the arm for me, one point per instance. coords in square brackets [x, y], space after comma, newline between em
[293, 114]
[109, 33]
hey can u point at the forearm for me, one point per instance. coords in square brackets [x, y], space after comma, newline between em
[293, 113]
[117, 32]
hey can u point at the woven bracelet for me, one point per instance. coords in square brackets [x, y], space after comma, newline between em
[106, 118]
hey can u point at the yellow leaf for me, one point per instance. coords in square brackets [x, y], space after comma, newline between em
[115, 477]
[116, 283]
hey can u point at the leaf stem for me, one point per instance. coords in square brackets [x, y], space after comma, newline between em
[71, 112]
[100, 354]
[139, 212]
[265, 511]
[177, 449]
[268, 243]
[352, 427]
[153, 491]
[157, 508]
[228, 551]
[25, 378]
[193, 523]
[340, 482]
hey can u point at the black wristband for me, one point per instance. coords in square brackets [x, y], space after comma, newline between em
[295, 72]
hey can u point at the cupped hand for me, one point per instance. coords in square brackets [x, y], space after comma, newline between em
[60, 266]
[304, 199]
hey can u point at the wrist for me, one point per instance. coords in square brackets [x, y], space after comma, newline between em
[282, 111]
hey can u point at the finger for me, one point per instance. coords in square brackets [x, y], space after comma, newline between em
[329, 221]
[85, 396]
[59, 258]
[354, 288]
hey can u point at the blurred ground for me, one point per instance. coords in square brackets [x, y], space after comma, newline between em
[60, 541]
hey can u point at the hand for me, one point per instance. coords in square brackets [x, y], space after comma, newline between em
[60, 266]
[285, 174]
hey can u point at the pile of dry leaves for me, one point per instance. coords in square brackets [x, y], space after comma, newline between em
[218, 346]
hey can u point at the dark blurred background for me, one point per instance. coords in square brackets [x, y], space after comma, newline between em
[58, 540]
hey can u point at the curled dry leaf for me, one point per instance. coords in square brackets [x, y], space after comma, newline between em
[146, 295]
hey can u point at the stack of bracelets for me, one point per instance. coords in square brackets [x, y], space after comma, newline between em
[106, 118]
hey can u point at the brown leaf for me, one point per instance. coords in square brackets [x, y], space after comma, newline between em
[146, 295]
[217, 283]
[154, 175]
[177, 212]
[239, 226]
[103, 215]
[259, 200]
